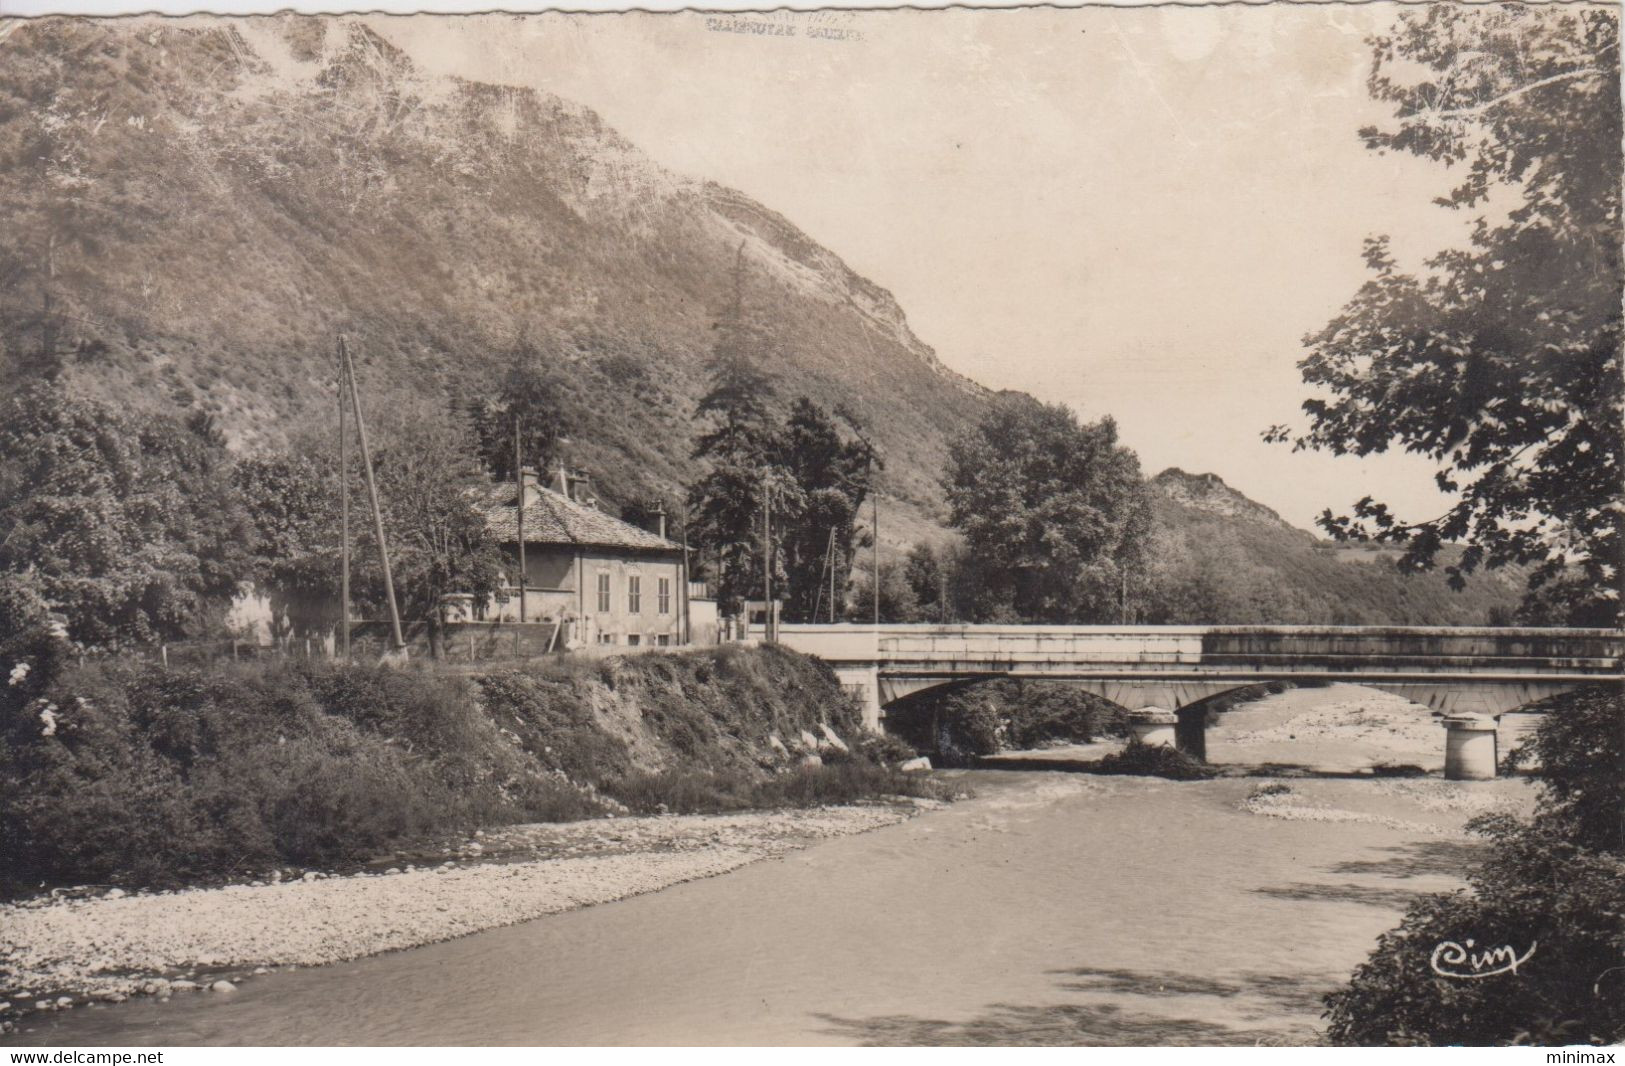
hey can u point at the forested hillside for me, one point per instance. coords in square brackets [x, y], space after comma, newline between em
[197, 207]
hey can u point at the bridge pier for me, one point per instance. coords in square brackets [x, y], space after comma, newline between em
[1469, 747]
[862, 684]
[1153, 725]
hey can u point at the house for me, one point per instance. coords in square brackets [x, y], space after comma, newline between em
[600, 580]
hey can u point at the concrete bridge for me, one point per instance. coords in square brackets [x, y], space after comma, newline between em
[1465, 673]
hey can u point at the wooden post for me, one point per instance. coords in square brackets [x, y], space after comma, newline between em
[344, 511]
[372, 496]
[519, 480]
[686, 631]
[767, 560]
[875, 497]
[163, 653]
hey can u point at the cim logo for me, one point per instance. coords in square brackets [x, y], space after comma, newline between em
[1460, 961]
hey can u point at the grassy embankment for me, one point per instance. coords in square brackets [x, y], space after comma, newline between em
[129, 774]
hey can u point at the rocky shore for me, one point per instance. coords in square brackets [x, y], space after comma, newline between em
[61, 952]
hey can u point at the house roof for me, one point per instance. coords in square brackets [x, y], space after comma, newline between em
[553, 518]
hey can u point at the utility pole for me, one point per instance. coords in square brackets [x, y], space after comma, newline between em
[344, 511]
[833, 561]
[875, 496]
[767, 557]
[519, 482]
[829, 568]
[372, 496]
[688, 621]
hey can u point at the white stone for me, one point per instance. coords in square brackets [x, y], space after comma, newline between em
[917, 765]
[832, 738]
[222, 986]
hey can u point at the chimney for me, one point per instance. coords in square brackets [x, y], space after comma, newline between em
[564, 480]
[527, 478]
[660, 516]
[581, 489]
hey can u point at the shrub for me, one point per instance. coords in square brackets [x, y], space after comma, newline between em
[1538, 890]
[146, 776]
[957, 725]
[1152, 760]
[1556, 883]
[692, 792]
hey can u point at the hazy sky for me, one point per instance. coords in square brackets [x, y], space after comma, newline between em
[1136, 212]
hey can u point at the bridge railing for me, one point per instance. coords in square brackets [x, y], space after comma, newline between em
[1578, 651]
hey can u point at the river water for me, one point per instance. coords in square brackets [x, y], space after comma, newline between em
[1053, 908]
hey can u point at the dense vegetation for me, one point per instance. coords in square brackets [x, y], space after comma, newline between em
[955, 725]
[127, 773]
[1053, 512]
[1212, 556]
[1555, 884]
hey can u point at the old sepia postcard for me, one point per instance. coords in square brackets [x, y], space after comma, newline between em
[1091, 526]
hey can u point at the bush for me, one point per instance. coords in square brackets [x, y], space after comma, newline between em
[1152, 760]
[1556, 883]
[957, 725]
[144, 776]
[691, 792]
[1537, 890]
[156, 777]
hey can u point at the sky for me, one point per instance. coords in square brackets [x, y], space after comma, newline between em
[1135, 212]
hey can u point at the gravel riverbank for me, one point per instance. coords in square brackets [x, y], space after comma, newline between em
[59, 953]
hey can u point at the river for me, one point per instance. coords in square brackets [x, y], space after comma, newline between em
[1052, 908]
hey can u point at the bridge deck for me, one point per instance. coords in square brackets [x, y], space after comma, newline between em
[1491, 668]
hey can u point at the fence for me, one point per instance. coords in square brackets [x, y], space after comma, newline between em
[460, 643]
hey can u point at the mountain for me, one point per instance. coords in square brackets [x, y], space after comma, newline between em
[198, 207]
[1223, 558]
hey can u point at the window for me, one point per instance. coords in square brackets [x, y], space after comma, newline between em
[663, 595]
[663, 640]
[634, 594]
[606, 638]
[634, 639]
[603, 593]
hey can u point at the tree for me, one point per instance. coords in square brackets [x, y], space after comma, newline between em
[427, 474]
[829, 480]
[293, 499]
[727, 501]
[897, 603]
[532, 392]
[438, 541]
[1501, 361]
[130, 526]
[926, 579]
[1054, 513]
